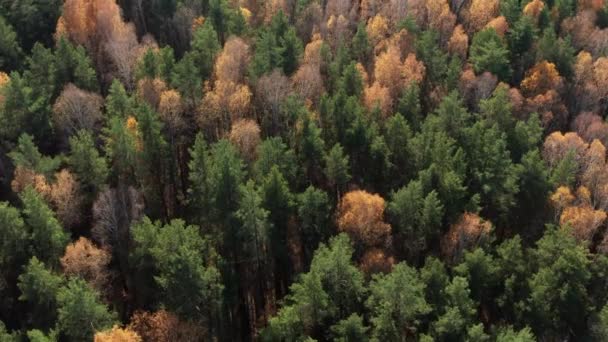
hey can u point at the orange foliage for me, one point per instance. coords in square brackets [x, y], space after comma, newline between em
[584, 221]
[150, 90]
[553, 112]
[117, 334]
[459, 42]
[98, 25]
[376, 261]
[4, 79]
[379, 97]
[171, 110]
[412, 70]
[384, 71]
[272, 7]
[312, 51]
[499, 24]
[24, 177]
[541, 78]
[377, 29]
[163, 326]
[228, 101]
[231, 64]
[245, 135]
[480, 13]
[360, 215]
[534, 8]
[66, 199]
[595, 5]
[440, 18]
[83, 259]
[561, 198]
[197, 22]
[466, 234]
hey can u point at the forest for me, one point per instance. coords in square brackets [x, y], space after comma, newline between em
[303, 170]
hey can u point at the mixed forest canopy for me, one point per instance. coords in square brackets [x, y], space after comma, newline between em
[303, 170]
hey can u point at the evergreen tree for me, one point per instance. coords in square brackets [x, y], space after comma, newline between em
[313, 212]
[205, 47]
[274, 152]
[47, 237]
[80, 312]
[489, 53]
[361, 47]
[39, 288]
[397, 303]
[458, 313]
[10, 51]
[351, 329]
[198, 190]
[85, 161]
[337, 168]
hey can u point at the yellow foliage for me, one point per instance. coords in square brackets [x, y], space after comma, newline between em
[541, 78]
[534, 8]
[361, 216]
[584, 221]
[117, 334]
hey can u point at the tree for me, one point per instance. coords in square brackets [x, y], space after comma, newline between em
[84, 160]
[205, 47]
[459, 42]
[274, 152]
[186, 80]
[85, 260]
[489, 53]
[458, 313]
[416, 218]
[14, 246]
[245, 135]
[337, 168]
[80, 312]
[183, 267]
[559, 301]
[481, 271]
[361, 45]
[27, 155]
[556, 50]
[67, 199]
[15, 111]
[493, 174]
[540, 79]
[199, 189]
[163, 325]
[117, 334]
[350, 329]
[76, 109]
[255, 231]
[480, 13]
[397, 303]
[313, 212]
[361, 215]
[39, 288]
[121, 144]
[469, 232]
[10, 51]
[47, 237]
[507, 334]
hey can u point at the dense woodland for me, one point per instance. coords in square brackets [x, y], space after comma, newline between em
[303, 170]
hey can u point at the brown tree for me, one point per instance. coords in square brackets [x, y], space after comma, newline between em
[533, 8]
[412, 70]
[375, 261]
[150, 90]
[76, 109]
[361, 216]
[499, 24]
[378, 97]
[469, 232]
[271, 91]
[4, 79]
[164, 326]
[231, 63]
[117, 334]
[558, 145]
[590, 126]
[170, 108]
[583, 220]
[83, 259]
[377, 29]
[67, 200]
[540, 79]
[308, 82]
[245, 135]
[24, 177]
[459, 42]
[479, 14]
